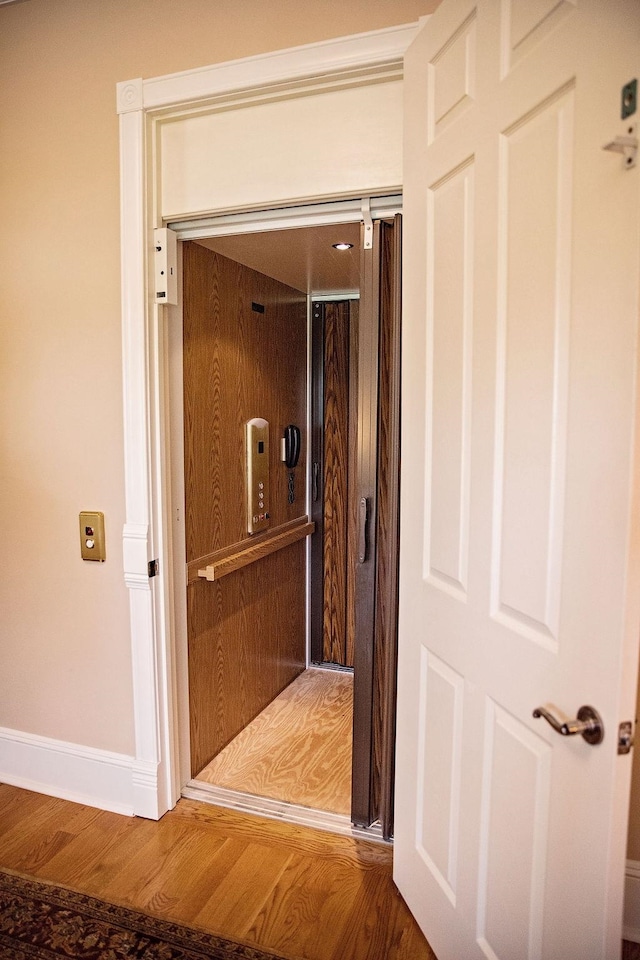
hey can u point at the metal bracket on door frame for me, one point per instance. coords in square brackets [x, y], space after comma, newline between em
[626, 145]
[368, 224]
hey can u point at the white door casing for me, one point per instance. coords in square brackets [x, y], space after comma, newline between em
[167, 125]
[518, 555]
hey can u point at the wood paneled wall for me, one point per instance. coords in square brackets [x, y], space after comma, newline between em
[246, 633]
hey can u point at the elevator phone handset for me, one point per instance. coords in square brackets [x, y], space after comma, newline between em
[291, 452]
[257, 444]
[290, 456]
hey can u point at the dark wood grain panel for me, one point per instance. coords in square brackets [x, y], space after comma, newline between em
[317, 474]
[352, 521]
[336, 485]
[377, 577]
[388, 524]
[362, 810]
[246, 634]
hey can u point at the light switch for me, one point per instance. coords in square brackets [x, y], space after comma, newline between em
[92, 540]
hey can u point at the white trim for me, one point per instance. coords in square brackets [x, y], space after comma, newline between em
[335, 295]
[631, 922]
[129, 96]
[96, 778]
[150, 794]
[142, 104]
[364, 51]
[289, 218]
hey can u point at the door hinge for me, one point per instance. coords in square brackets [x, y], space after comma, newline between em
[154, 568]
[625, 737]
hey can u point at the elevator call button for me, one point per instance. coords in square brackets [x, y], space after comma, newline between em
[92, 538]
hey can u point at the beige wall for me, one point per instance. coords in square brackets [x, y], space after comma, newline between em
[64, 633]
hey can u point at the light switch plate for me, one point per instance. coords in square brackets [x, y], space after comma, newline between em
[92, 539]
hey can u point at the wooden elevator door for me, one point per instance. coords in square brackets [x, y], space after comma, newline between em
[334, 457]
[355, 500]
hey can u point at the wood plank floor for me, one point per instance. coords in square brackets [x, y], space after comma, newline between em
[298, 749]
[298, 892]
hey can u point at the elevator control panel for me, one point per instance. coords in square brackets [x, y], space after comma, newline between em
[92, 539]
[257, 442]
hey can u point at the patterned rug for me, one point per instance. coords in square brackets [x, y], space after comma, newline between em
[40, 920]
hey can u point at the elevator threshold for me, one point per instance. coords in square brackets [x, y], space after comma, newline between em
[293, 761]
[292, 813]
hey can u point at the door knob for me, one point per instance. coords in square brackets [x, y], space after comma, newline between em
[588, 723]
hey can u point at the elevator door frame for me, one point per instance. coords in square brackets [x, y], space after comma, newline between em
[317, 215]
[147, 109]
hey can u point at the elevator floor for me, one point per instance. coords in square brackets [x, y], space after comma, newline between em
[298, 750]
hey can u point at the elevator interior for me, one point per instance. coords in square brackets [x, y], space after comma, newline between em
[272, 348]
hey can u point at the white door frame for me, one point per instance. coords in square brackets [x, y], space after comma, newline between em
[142, 104]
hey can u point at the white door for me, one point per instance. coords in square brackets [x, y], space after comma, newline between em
[519, 558]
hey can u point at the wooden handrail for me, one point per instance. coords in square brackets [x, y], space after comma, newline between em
[249, 551]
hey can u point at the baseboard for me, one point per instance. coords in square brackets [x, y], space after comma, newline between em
[96, 778]
[631, 923]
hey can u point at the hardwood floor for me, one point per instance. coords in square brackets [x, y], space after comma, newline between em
[298, 749]
[298, 892]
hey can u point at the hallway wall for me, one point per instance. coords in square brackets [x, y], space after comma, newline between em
[64, 626]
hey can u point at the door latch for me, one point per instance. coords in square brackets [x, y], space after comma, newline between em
[625, 737]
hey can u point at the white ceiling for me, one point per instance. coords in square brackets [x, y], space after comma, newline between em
[303, 258]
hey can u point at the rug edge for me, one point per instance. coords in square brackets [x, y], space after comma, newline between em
[140, 917]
